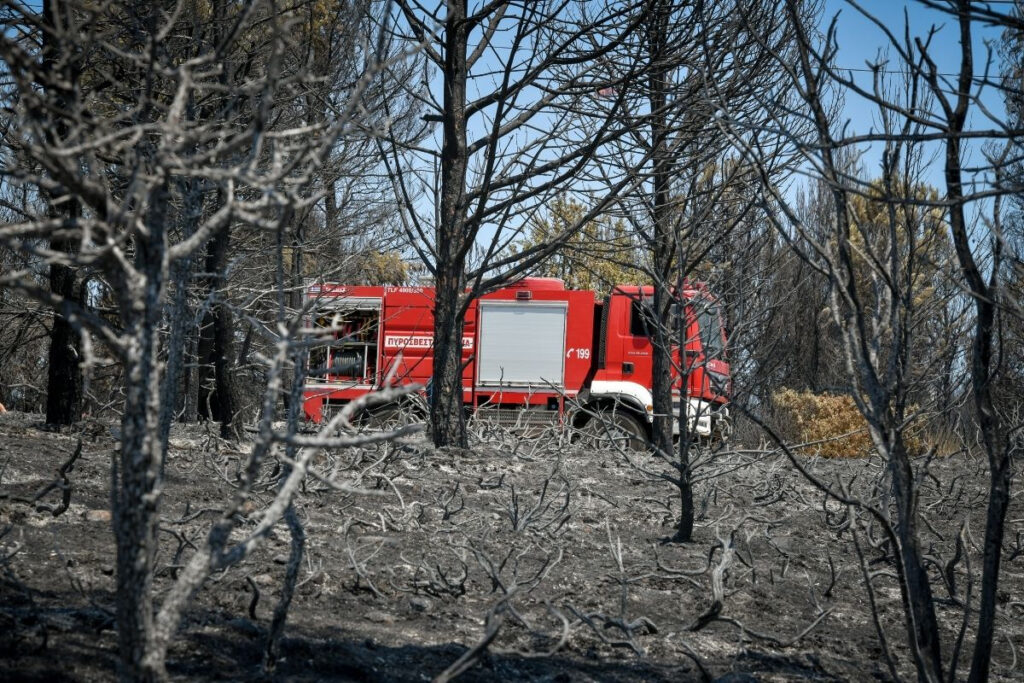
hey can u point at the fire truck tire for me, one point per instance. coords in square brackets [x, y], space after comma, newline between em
[613, 429]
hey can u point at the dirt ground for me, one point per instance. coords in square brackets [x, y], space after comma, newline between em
[560, 549]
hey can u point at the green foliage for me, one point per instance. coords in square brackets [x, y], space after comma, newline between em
[901, 215]
[600, 254]
[383, 268]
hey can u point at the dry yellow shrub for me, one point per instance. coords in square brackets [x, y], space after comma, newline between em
[831, 422]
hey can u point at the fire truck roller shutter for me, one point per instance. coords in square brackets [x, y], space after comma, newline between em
[522, 343]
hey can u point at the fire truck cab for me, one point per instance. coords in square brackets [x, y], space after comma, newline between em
[532, 353]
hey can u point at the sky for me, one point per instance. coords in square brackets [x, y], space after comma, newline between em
[861, 41]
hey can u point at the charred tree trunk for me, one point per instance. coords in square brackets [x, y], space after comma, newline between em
[138, 472]
[217, 355]
[886, 389]
[190, 376]
[985, 296]
[664, 252]
[182, 363]
[924, 630]
[448, 422]
[447, 414]
[684, 531]
[331, 207]
[217, 342]
[1000, 476]
[204, 369]
[64, 373]
[290, 294]
[176, 342]
[291, 518]
[175, 396]
[661, 384]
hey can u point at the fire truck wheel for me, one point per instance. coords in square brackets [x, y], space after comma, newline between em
[615, 429]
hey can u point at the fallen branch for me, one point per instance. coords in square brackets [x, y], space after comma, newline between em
[772, 639]
[717, 589]
[62, 482]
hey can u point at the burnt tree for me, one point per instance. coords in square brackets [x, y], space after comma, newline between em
[513, 77]
[63, 372]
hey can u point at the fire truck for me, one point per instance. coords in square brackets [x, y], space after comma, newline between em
[532, 353]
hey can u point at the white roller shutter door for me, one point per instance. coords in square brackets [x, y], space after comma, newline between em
[521, 343]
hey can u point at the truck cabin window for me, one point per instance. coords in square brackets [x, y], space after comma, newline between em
[643, 321]
[641, 318]
[709, 322]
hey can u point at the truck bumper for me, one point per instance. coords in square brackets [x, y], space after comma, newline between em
[705, 419]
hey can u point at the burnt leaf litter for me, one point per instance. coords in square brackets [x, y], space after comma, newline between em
[522, 559]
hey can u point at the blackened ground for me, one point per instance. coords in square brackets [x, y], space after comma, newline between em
[564, 546]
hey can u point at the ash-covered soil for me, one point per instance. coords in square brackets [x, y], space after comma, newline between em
[559, 552]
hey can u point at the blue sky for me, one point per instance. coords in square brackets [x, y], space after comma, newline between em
[861, 41]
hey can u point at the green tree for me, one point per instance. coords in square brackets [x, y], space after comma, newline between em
[601, 253]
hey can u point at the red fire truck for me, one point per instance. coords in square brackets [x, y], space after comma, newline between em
[533, 352]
